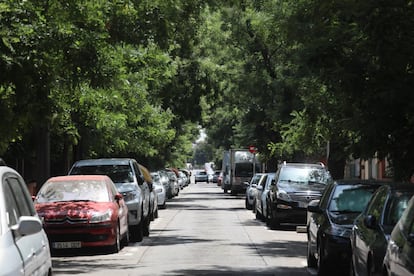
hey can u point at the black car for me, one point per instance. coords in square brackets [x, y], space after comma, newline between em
[330, 221]
[294, 186]
[373, 227]
[399, 256]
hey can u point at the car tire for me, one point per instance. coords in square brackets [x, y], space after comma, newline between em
[137, 232]
[321, 261]
[248, 206]
[126, 238]
[116, 247]
[146, 227]
[311, 260]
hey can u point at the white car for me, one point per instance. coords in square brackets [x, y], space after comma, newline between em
[21, 232]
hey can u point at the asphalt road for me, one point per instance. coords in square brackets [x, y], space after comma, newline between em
[201, 232]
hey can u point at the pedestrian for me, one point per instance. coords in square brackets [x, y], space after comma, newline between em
[32, 187]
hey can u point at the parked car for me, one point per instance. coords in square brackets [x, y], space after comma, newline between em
[372, 229]
[399, 256]
[188, 176]
[330, 221]
[83, 211]
[201, 176]
[295, 185]
[159, 189]
[173, 182]
[168, 185]
[262, 197]
[153, 196]
[182, 180]
[21, 234]
[251, 191]
[130, 182]
[216, 176]
[220, 179]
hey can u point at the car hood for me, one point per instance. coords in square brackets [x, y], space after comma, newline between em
[71, 209]
[294, 187]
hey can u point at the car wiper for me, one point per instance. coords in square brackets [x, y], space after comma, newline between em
[78, 200]
[316, 182]
[344, 211]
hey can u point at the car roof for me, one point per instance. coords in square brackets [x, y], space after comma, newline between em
[303, 165]
[361, 182]
[79, 177]
[104, 161]
[402, 186]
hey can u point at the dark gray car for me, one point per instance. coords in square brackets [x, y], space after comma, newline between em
[294, 186]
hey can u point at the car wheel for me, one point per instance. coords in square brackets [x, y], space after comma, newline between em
[125, 240]
[321, 262]
[248, 206]
[273, 221]
[312, 263]
[117, 245]
[146, 227]
[137, 232]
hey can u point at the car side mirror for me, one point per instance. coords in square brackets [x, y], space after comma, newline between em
[370, 221]
[314, 207]
[273, 183]
[246, 183]
[410, 239]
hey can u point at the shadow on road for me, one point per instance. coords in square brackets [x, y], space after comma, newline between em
[220, 270]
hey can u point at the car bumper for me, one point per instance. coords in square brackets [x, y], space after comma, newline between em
[287, 213]
[74, 236]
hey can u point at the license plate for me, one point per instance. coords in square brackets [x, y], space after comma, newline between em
[62, 245]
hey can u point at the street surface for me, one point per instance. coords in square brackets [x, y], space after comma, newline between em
[201, 232]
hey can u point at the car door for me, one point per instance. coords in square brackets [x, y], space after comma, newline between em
[34, 248]
[366, 238]
[260, 188]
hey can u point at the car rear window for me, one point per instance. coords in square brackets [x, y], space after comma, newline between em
[118, 173]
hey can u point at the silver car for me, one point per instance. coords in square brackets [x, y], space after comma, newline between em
[21, 232]
[159, 189]
[251, 191]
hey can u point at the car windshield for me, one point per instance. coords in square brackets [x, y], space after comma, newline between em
[118, 173]
[351, 198]
[76, 190]
[304, 175]
[395, 207]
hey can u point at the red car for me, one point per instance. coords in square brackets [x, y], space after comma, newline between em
[83, 211]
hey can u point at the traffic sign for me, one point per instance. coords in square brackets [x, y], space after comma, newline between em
[252, 149]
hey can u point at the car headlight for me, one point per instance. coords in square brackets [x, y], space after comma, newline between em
[101, 217]
[337, 231]
[283, 195]
[130, 195]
